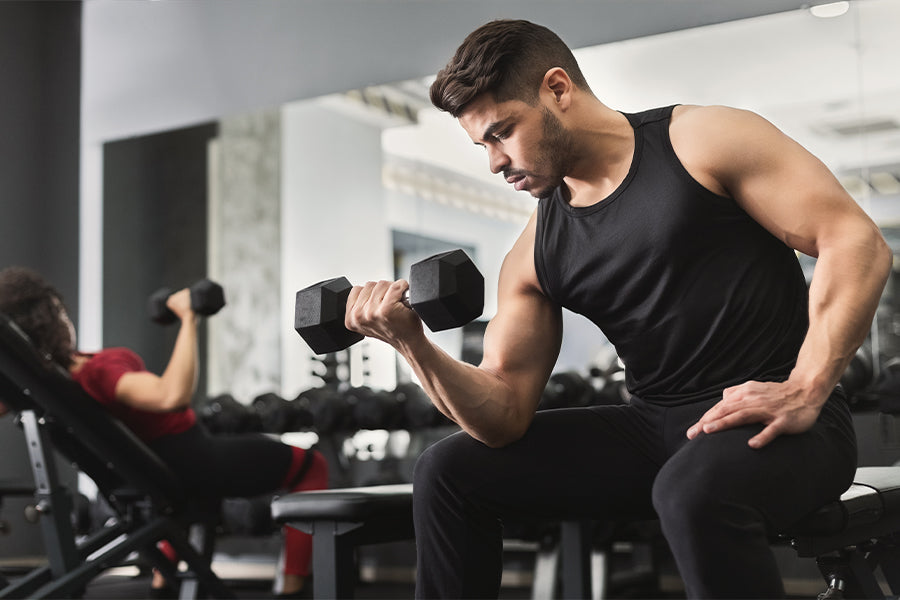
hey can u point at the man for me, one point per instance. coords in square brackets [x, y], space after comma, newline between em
[674, 231]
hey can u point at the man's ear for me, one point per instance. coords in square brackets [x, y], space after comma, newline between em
[557, 81]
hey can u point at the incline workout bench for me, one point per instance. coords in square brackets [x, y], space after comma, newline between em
[849, 538]
[149, 505]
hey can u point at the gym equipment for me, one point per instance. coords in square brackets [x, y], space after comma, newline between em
[207, 298]
[859, 374]
[248, 516]
[278, 415]
[849, 538]
[446, 290]
[149, 504]
[376, 409]
[223, 414]
[331, 409]
[419, 411]
[342, 519]
[566, 389]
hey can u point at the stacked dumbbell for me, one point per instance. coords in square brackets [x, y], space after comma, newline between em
[207, 298]
[570, 389]
[446, 290]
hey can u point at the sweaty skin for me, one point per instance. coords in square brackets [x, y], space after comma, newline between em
[569, 137]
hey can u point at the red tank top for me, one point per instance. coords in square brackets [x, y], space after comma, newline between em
[99, 377]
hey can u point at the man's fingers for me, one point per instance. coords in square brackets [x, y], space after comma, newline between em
[764, 437]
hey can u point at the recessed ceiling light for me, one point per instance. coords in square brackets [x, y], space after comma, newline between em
[832, 9]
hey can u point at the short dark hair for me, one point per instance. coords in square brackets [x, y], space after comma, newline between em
[506, 58]
[36, 307]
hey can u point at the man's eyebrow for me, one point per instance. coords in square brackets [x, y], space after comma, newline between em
[491, 129]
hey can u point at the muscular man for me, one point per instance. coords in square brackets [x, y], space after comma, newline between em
[674, 230]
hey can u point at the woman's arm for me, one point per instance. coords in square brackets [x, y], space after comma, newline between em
[174, 389]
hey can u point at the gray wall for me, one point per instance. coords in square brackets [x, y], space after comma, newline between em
[244, 356]
[154, 233]
[40, 71]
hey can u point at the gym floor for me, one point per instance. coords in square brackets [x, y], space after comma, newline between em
[385, 574]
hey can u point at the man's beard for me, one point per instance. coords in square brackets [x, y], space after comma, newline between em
[555, 156]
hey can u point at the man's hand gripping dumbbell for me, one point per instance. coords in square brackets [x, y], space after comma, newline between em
[445, 290]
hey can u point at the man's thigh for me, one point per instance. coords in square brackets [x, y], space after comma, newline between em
[595, 462]
[788, 478]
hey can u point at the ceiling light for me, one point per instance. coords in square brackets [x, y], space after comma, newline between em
[832, 9]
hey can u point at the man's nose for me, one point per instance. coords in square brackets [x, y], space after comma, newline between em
[498, 160]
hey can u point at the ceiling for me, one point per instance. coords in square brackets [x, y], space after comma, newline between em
[149, 66]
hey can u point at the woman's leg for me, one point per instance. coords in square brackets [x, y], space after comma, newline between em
[247, 465]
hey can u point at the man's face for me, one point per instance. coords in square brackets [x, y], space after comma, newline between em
[528, 144]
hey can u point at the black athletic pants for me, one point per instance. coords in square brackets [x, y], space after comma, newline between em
[718, 500]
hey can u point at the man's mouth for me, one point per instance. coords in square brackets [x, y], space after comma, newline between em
[517, 181]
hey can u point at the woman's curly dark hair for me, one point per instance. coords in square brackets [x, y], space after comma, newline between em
[37, 308]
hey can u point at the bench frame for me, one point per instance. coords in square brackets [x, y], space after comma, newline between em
[149, 505]
[862, 534]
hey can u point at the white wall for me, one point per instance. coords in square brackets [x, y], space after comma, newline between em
[333, 223]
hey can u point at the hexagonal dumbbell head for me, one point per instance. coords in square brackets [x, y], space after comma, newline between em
[207, 297]
[157, 309]
[446, 290]
[319, 316]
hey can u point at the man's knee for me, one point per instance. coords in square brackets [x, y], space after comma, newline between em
[443, 459]
[677, 498]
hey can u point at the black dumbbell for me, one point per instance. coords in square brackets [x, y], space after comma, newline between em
[207, 298]
[446, 290]
[566, 389]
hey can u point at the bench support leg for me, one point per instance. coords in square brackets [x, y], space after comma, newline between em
[575, 544]
[849, 571]
[334, 568]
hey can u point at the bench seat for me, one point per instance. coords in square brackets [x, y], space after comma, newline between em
[866, 517]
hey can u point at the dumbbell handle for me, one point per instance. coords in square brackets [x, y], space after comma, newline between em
[446, 291]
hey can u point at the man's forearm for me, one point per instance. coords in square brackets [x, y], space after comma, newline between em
[843, 297]
[474, 398]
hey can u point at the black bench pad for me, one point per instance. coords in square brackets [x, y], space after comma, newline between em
[346, 504]
[870, 508]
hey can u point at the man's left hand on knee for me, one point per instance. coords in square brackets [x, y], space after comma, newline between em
[783, 408]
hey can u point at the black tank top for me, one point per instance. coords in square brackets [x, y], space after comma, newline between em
[694, 294]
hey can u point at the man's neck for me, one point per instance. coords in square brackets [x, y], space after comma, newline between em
[605, 147]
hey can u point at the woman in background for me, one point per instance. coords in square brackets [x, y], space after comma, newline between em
[157, 408]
